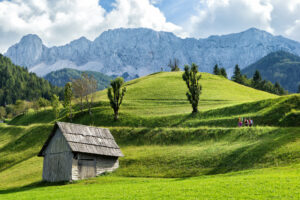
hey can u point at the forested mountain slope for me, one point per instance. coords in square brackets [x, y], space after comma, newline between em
[17, 83]
[281, 67]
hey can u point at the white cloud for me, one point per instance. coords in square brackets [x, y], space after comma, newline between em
[285, 18]
[227, 16]
[60, 21]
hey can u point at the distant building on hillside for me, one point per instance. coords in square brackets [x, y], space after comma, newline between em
[74, 152]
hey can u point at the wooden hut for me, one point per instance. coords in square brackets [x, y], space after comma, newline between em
[74, 152]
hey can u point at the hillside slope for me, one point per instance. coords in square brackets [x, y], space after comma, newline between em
[280, 66]
[159, 100]
[164, 93]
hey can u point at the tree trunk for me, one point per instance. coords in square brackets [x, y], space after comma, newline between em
[116, 115]
[90, 110]
[195, 109]
[81, 103]
[70, 114]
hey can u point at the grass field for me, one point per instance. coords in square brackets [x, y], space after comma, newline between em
[271, 183]
[169, 153]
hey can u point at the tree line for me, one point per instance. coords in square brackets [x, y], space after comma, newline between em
[257, 82]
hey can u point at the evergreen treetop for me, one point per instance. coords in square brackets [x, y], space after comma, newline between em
[223, 72]
[217, 70]
[237, 76]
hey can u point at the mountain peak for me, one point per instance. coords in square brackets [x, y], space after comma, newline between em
[81, 40]
[256, 31]
[27, 52]
[132, 32]
[31, 38]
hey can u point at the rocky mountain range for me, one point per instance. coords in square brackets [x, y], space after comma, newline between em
[141, 51]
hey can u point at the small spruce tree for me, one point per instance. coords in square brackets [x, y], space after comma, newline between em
[257, 80]
[217, 70]
[191, 78]
[174, 65]
[278, 89]
[223, 72]
[116, 95]
[237, 76]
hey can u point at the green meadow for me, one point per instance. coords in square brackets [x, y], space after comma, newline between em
[170, 153]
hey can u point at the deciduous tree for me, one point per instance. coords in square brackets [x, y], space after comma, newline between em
[2, 113]
[55, 105]
[116, 94]
[84, 88]
[20, 107]
[191, 78]
[68, 95]
[43, 102]
[79, 90]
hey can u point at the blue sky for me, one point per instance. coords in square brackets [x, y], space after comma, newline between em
[57, 22]
[175, 11]
[107, 4]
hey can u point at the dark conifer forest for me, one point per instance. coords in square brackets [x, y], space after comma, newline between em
[17, 83]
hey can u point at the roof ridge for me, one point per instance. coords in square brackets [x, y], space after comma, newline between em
[88, 135]
[94, 145]
[82, 125]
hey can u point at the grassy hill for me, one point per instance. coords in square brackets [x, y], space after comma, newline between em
[280, 66]
[169, 153]
[165, 94]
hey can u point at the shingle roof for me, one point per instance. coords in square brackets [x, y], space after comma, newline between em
[86, 139]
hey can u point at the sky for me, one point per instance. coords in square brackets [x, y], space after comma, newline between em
[57, 22]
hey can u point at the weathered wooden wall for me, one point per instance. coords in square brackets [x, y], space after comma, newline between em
[106, 164]
[87, 165]
[57, 160]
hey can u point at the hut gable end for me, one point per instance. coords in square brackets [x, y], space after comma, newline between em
[57, 144]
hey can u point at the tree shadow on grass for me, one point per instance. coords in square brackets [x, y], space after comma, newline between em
[35, 185]
[185, 119]
[247, 157]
